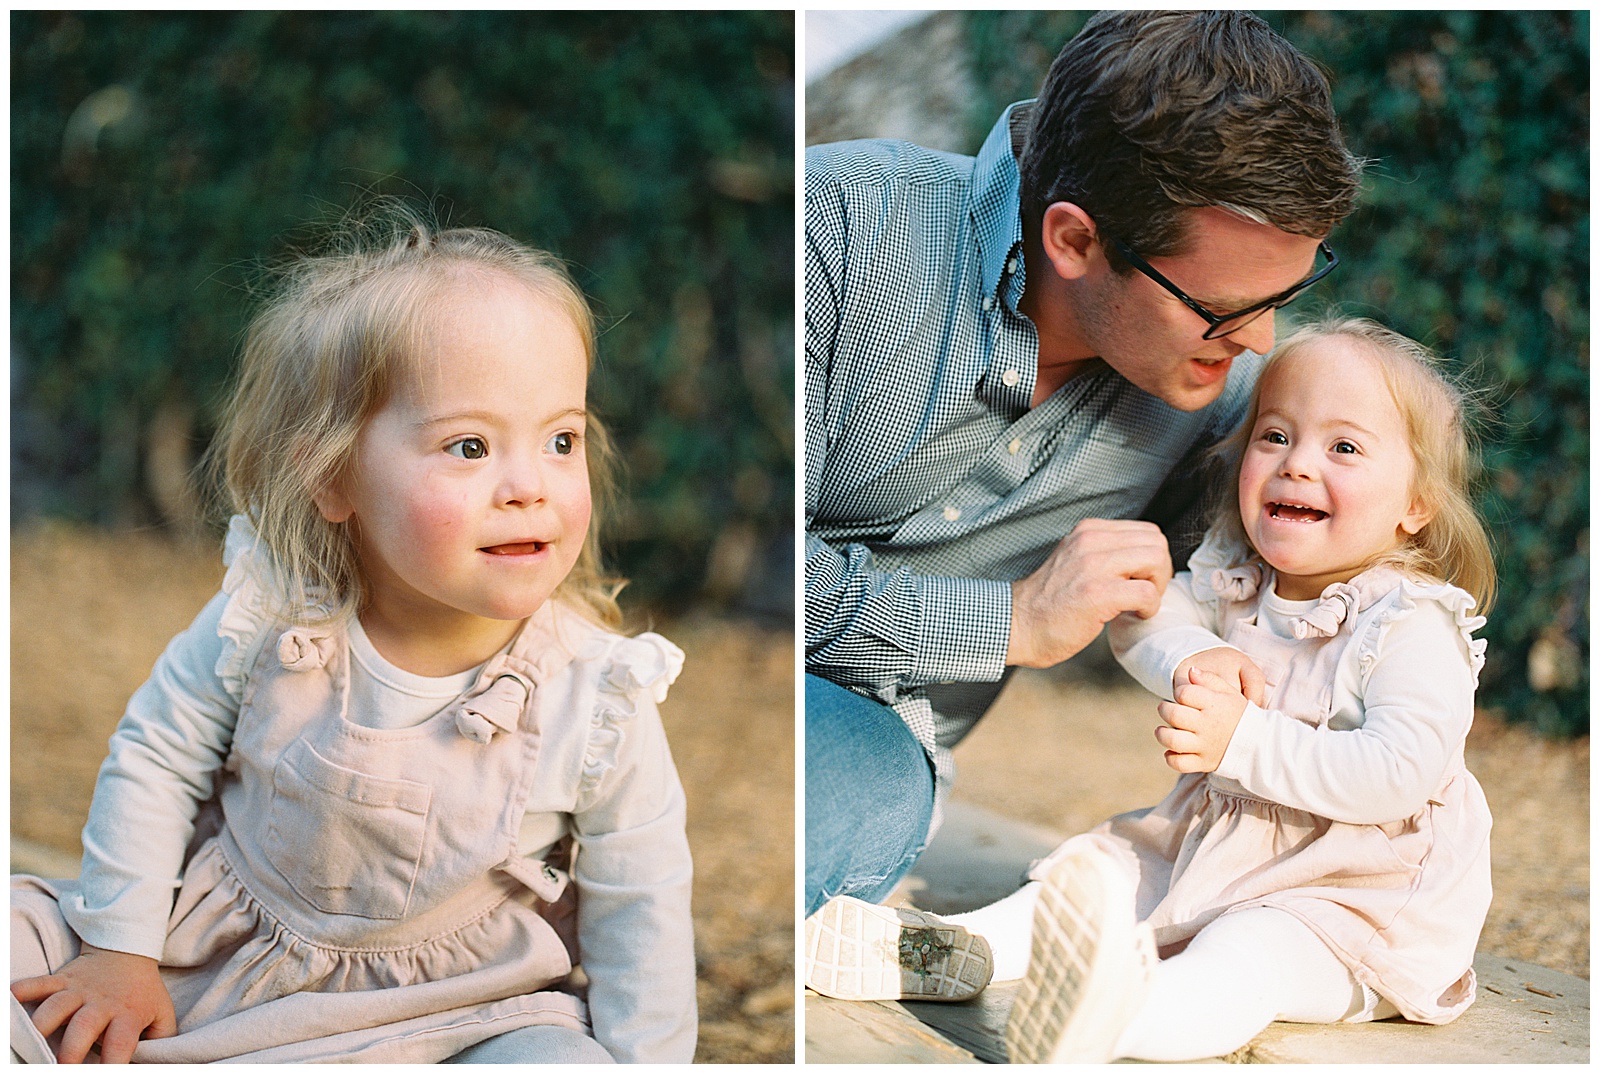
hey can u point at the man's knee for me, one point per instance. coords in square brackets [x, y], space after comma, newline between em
[869, 795]
[860, 751]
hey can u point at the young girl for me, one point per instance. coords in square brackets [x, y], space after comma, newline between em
[1325, 855]
[400, 773]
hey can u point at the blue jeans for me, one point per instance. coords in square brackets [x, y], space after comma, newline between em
[869, 796]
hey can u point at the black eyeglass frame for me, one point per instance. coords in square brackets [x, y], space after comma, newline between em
[1231, 322]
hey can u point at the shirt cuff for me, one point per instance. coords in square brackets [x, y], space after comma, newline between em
[1239, 758]
[1187, 642]
[110, 934]
[1154, 661]
[965, 630]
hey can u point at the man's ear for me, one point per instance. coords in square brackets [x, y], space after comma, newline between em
[1067, 234]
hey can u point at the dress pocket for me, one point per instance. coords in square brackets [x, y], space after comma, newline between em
[347, 842]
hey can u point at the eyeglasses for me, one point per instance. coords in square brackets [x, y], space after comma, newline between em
[1230, 322]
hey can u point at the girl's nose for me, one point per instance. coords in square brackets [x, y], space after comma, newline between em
[1297, 461]
[521, 484]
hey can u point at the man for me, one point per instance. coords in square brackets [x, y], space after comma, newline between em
[1014, 365]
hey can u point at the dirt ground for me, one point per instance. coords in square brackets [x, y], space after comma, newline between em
[90, 612]
[1089, 751]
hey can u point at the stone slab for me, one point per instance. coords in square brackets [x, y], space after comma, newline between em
[838, 1031]
[1524, 1013]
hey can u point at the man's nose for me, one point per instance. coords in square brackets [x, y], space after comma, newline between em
[1258, 335]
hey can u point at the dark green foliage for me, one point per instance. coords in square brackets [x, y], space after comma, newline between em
[1472, 236]
[653, 151]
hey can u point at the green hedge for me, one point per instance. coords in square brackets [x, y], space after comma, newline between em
[159, 159]
[1473, 236]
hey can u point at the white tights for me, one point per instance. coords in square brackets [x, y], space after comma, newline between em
[1242, 972]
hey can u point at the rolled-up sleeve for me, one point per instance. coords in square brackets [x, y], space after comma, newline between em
[883, 632]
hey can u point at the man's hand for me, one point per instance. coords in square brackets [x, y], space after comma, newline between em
[101, 995]
[1200, 723]
[1230, 665]
[1103, 568]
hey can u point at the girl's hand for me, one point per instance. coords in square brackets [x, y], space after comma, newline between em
[1231, 665]
[1200, 723]
[107, 996]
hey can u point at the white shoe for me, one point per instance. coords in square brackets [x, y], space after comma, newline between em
[856, 950]
[1091, 965]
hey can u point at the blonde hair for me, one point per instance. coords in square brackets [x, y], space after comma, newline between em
[326, 352]
[1454, 545]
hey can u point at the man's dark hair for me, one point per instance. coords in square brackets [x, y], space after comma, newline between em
[1146, 114]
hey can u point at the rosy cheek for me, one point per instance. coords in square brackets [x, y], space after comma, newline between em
[578, 506]
[435, 512]
[1248, 482]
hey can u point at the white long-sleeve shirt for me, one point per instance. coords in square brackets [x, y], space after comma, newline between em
[1402, 698]
[633, 867]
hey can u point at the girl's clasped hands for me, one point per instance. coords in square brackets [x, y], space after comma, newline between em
[1200, 721]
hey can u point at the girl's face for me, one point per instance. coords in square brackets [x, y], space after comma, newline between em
[468, 493]
[1326, 482]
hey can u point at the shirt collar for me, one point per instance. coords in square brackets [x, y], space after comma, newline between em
[996, 200]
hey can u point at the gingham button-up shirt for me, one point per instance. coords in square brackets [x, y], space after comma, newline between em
[931, 483]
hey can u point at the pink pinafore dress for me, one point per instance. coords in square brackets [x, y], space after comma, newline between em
[362, 898]
[1400, 903]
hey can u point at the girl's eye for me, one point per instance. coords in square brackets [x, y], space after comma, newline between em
[470, 448]
[1344, 447]
[562, 443]
[1273, 436]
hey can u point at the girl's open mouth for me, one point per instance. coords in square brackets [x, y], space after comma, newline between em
[524, 548]
[1293, 512]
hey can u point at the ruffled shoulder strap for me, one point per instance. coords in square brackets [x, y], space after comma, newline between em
[255, 596]
[1402, 596]
[630, 669]
[1223, 569]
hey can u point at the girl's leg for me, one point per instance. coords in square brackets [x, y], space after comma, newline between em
[1091, 963]
[41, 943]
[1241, 973]
[1008, 926]
[536, 1044]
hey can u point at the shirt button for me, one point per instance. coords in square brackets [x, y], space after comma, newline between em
[1014, 447]
[1010, 377]
[952, 513]
[1011, 266]
[988, 302]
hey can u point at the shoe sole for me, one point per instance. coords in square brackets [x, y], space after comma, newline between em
[1078, 996]
[856, 950]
